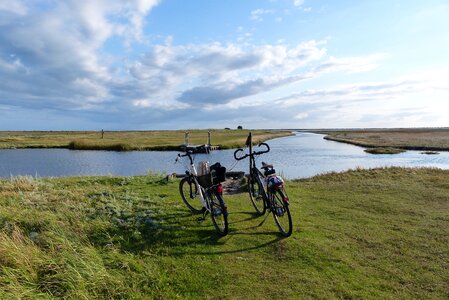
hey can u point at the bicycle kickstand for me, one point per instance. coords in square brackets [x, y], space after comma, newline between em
[201, 219]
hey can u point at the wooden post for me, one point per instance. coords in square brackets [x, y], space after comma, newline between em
[186, 138]
[208, 138]
[102, 134]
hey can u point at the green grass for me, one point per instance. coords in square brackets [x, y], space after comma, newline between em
[130, 140]
[380, 233]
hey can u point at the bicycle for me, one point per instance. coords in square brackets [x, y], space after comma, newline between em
[267, 190]
[204, 194]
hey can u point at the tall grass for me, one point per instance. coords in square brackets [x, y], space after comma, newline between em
[92, 145]
[379, 233]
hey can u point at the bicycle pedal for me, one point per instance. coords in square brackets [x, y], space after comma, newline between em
[201, 219]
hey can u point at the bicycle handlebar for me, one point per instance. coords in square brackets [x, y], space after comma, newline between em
[262, 152]
[251, 154]
[184, 155]
[242, 157]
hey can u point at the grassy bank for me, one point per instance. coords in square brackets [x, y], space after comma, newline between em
[384, 150]
[361, 234]
[129, 140]
[408, 139]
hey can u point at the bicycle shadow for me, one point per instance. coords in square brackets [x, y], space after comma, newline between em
[252, 216]
[180, 232]
[216, 241]
[208, 237]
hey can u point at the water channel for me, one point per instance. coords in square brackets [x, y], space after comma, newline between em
[299, 156]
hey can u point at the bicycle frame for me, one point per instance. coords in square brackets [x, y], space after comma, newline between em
[192, 173]
[254, 173]
[257, 175]
[269, 197]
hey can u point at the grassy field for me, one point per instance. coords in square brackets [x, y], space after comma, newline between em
[130, 140]
[408, 139]
[379, 233]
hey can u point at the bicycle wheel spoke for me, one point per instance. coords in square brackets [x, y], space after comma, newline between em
[219, 214]
[281, 214]
[255, 190]
[190, 195]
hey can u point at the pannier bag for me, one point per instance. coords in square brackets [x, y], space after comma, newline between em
[218, 173]
[215, 174]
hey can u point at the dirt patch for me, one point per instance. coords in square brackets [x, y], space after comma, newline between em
[232, 185]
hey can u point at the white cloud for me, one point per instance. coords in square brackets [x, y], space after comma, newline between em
[14, 6]
[301, 115]
[257, 14]
[167, 106]
[56, 64]
[357, 92]
[298, 3]
[352, 64]
[215, 73]
[53, 60]
[52, 56]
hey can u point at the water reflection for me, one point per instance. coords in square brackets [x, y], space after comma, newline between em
[299, 156]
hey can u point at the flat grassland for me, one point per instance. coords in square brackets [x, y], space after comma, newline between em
[380, 234]
[409, 139]
[130, 140]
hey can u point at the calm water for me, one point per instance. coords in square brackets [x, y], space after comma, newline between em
[299, 156]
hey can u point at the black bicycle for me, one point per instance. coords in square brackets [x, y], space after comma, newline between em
[204, 194]
[267, 190]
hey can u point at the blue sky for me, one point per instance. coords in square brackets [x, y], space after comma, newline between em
[172, 64]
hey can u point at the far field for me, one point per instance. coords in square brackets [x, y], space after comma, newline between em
[130, 140]
[361, 234]
[408, 139]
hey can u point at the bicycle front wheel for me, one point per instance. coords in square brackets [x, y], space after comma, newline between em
[281, 212]
[255, 190]
[190, 195]
[218, 213]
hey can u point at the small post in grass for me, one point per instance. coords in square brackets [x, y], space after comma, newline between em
[186, 138]
[102, 134]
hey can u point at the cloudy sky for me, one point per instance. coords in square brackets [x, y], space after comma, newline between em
[175, 64]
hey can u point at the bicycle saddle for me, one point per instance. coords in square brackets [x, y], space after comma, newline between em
[266, 166]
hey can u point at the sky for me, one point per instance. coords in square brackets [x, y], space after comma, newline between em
[175, 64]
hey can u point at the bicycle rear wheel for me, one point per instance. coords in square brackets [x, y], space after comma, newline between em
[190, 195]
[256, 191]
[281, 212]
[218, 213]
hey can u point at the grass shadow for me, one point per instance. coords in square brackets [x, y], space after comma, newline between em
[220, 252]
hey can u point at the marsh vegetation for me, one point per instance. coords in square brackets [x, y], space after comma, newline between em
[379, 233]
[130, 140]
[427, 139]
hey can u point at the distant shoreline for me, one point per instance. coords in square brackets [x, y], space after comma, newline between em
[421, 139]
[158, 140]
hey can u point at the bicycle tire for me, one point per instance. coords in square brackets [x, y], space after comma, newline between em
[281, 213]
[190, 196]
[218, 213]
[256, 191]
